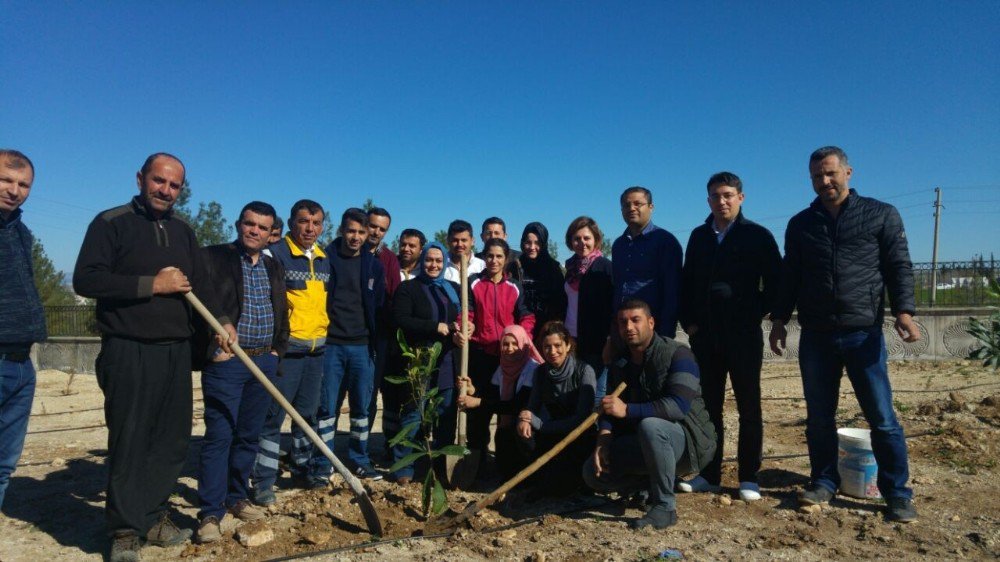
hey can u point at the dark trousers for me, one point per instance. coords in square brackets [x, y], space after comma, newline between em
[510, 457]
[477, 421]
[235, 407]
[647, 459]
[561, 475]
[739, 356]
[299, 383]
[147, 408]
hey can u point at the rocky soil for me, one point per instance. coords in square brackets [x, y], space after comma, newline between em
[950, 410]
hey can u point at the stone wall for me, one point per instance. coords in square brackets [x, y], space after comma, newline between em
[945, 336]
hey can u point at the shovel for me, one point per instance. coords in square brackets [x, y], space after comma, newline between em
[460, 472]
[364, 502]
[452, 522]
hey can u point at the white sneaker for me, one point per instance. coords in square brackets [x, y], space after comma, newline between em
[697, 484]
[749, 491]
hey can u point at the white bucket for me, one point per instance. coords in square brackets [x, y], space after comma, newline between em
[857, 467]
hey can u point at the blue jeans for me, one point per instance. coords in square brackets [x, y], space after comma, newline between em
[444, 433]
[823, 356]
[235, 407]
[351, 367]
[17, 389]
[299, 382]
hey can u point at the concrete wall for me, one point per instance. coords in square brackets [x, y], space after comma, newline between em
[945, 336]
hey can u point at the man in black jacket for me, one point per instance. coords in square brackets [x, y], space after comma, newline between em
[250, 289]
[729, 282]
[137, 260]
[841, 256]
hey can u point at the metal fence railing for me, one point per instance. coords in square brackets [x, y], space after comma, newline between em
[72, 320]
[959, 283]
[962, 284]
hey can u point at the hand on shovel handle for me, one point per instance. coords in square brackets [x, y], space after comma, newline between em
[364, 502]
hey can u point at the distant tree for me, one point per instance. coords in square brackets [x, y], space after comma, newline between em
[554, 249]
[394, 246]
[442, 237]
[48, 280]
[209, 223]
[606, 248]
[368, 205]
[330, 232]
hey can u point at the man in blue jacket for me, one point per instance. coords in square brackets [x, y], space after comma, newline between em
[842, 254]
[22, 320]
[356, 290]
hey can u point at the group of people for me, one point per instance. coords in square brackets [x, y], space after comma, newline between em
[548, 343]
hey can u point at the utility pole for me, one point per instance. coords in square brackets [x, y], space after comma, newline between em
[937, 227]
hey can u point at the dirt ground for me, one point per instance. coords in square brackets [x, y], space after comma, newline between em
[950, 410]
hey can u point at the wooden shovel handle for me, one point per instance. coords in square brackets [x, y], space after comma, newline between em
[555, 450]
[464, 366]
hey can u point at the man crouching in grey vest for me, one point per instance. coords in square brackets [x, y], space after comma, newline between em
[659, 429]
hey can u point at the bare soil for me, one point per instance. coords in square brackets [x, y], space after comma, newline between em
[950, 410]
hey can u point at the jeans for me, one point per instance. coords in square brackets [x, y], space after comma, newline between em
[823, 356]
[17, 389]
[650, 458]
[299, 382]
[444, 433]
[235, 407]
[348, 366]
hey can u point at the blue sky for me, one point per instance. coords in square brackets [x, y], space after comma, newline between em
[527, 110]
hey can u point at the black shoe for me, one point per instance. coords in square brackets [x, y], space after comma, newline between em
[815, 495]
[637, 500]
[658, 517]
[124, 547]
[367, 473]
[167, 533]
[900, 510]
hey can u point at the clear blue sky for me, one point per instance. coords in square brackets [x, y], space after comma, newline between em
[528, 110]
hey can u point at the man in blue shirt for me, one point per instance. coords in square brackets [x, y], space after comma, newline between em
[647, 261]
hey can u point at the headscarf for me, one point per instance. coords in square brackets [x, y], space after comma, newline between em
[511, 367]
[577, 267]
[438, 281]
[539, 230]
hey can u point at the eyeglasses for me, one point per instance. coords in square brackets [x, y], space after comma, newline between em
[633, 205]
[728, 196]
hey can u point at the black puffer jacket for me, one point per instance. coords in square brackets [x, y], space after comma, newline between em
[838, 270]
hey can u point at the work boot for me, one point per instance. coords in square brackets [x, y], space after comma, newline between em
[900, 510]
[209, 530]
[658, 517]
[124, 547]
[167, 533]
[264, 496]
[246, 511]
[815, 495]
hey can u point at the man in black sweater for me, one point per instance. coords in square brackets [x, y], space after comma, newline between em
[137, 260]
[729, 282]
